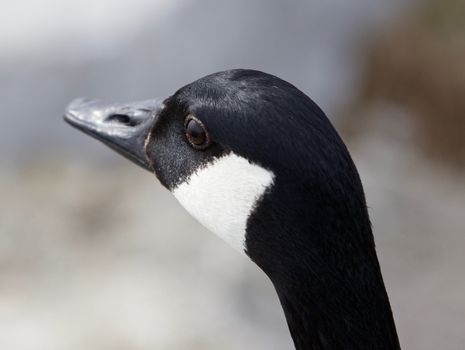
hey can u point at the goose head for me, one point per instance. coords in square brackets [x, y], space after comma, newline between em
[258, 163]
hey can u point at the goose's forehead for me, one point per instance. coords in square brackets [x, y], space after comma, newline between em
[223, 194]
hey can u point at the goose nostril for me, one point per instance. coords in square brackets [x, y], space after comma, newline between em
[122, 119]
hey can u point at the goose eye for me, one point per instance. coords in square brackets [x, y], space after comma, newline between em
[196, 133]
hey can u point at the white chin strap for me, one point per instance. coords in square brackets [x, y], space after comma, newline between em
[222, 195]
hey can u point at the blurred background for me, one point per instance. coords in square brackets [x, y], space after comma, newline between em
[95, 254]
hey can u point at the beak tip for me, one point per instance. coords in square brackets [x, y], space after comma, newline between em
[74, 110]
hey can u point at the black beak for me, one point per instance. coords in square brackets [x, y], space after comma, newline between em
[122, 126]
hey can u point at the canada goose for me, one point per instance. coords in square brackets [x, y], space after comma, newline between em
[258, 163]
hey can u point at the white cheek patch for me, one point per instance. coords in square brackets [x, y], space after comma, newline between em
[222, 195]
